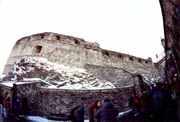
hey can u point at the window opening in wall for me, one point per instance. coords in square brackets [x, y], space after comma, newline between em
[76, 41]
[106, 53]
[120, 56]
[38, 49]
[41, 36]
[146, 62]
[130, 58]
[28, 38]
[140, 60]
[58, 37]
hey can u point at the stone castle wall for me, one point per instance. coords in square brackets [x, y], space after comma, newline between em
[29, 91]
[73, 51]
[62, 101]
[117, 76]
[43, 101]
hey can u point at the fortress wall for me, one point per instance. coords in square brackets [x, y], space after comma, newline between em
[119, 77]
[73, 51]
[28, 91]
[62, 51]
[62, 101]
[130, 63]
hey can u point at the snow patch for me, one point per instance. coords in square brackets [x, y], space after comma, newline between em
[57, 76]
[41, 119]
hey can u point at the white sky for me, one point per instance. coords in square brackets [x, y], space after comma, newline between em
[128, 26]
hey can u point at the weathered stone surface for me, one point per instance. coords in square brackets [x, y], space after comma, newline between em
[76, 52]
[117, 76]
[62, 101]
[113, 67]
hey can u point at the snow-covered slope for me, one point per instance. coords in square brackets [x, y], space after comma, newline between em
[59, 76]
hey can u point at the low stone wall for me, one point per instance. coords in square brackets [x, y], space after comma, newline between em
[29, 91]
[62, 101]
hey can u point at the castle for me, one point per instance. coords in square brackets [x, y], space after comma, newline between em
[76, 52]
[124, 71]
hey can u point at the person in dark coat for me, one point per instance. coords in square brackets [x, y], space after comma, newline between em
[1, 102]
[158, 102]
[98, 106]
[73, 114]
[80, 114]
[17, 108]
[107, 113]
[131, 103]
[145, 105]
[8, 108]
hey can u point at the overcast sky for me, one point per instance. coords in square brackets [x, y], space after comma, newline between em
[128, 26]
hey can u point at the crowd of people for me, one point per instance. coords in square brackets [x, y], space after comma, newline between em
[160, 102]
[98, 112]
[4, 104]
[8, 110]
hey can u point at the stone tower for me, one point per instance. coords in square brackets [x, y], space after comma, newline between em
[76, 52]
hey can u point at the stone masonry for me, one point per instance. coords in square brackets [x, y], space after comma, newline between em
[62, 101]
[120, 69]
[76, 52]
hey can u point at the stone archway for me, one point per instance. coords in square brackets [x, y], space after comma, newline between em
[24, 106]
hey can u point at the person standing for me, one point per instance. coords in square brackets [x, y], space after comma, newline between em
[137, 106]
[80, 114]
[8, 108]
[1, 102]
[73, 114]
[98, 106]
[158, 102]
[107, 113]
[5, 105]
[16, 108]
[91, 111]
[145, 105]
[131, 103]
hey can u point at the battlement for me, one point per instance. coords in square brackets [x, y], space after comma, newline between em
[79, 42]
[122, 56]
[50, 36]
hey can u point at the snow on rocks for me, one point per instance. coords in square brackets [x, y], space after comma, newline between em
[58, 76]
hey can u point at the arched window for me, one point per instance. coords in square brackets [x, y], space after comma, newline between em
[25, 106]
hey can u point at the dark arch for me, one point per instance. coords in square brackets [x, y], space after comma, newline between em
[24, 106]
